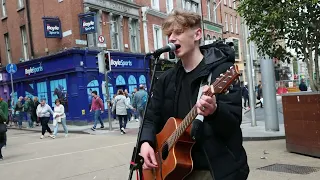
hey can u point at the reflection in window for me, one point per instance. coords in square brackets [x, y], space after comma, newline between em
[92, 86]
[111, 93]
[142, 80]
[120, 81]
[132, 83]
[42, 90]
[58, 90]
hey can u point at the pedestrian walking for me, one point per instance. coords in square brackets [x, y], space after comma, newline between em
[3, 132]
[18, 111]
[120, 106]
[59, 117]
[140, 101]
[28, 108]
[34, 113]
[43, 112]
[97, 108]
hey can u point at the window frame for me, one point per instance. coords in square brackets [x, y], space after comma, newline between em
[8, 49]
[24, 43]
[3, 8]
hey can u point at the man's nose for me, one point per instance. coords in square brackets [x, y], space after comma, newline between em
[172, 38]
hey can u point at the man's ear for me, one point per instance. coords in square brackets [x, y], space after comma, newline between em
[198, 34]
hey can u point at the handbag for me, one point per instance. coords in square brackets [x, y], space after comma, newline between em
[3, 128]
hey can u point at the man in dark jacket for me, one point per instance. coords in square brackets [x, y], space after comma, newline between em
[220, 154]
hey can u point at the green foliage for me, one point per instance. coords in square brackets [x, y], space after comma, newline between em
[276, 25]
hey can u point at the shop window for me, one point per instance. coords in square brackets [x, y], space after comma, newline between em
[92, 86]
[120, 81]
[142, 80]
[58, 90]
[30, 91]
[42, 91]
[111, 93]
[132, 83]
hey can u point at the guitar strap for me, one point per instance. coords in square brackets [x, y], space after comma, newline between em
[200, 117]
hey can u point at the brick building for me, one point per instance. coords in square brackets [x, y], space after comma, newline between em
[55, 43]
[231, 30]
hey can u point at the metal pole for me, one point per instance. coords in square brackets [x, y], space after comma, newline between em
[108, 100]
[269, 95]
[12, 93]
[252, 96]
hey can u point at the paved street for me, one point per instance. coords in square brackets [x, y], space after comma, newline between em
[106, 157]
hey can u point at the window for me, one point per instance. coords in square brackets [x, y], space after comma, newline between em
[236, 24]
[215, 12]
[190, 5]
[231, 25]
[42, 91]
[226, 22]
[234, 4]
[3, 8]
[143, 81]
[157, 37]
[155, 4]
[8, 50]
[230, 3]
[225, 2]
[20, 4]
[169, 6]
[134, 26]
[132, 83]
[115, 32]
[24, 41]
[236, 48]
[58, 90]
[208, 10]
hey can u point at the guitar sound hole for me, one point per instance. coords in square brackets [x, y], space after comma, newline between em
[164, 152]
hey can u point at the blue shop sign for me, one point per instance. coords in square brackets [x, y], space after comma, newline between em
[87, 23]
[52, 27]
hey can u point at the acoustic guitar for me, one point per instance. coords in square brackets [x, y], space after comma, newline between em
[174, 143]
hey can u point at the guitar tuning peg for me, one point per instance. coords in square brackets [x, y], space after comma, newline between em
[228, 71]
[221, 75]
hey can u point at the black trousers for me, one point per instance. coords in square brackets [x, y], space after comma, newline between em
[123, 119]
[44, 123]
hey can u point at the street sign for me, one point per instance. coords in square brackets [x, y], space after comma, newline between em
[101, 39]
[11, 68]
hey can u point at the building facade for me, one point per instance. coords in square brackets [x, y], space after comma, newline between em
[232, 31]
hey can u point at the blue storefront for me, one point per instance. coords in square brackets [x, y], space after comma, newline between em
[71, 75]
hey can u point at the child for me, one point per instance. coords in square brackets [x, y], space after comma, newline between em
[3, 131]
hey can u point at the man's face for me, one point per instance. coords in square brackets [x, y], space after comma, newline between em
[93, 95]
[43, 102]
[188, 39]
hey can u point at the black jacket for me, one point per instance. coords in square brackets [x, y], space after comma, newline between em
[222, 138]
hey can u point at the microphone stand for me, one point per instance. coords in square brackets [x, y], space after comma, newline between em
[137, 160]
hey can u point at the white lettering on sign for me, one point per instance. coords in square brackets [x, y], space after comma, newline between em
[88, 25]
[120, 63]
[33, 70]
[53, 29]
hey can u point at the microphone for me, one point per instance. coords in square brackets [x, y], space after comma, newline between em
[168, 48]
[197, 128]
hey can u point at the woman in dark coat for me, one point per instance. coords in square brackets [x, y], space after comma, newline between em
[3, 132]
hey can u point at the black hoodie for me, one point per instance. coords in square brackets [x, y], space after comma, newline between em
[222, 136]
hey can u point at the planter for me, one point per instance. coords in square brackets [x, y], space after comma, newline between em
[301, 113]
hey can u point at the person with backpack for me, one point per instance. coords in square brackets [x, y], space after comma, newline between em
[140, 101]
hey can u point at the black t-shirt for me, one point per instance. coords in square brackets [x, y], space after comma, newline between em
[186, 100]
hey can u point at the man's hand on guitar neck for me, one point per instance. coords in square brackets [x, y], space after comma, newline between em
[206, 105]
[147, 153]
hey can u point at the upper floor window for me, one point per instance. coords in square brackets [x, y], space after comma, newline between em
[169, 6]
[231, 24]
[208, 10]
[236, 24]
[3, 8]
[215, 15]
[225, 2]
[20, 3]
[230, 3]
[155, 4]
[190, 5]
[134, 27]
[24, 41]
[8, 50]
[115, 33]
[226, 22]
[157, 37]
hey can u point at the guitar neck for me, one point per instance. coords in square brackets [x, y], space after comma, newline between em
[184, 124]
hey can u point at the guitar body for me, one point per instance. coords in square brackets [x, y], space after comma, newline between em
[177, 163]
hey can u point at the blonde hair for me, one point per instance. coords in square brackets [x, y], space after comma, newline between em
[180, 20]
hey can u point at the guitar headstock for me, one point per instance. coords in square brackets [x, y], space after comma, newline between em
[223, 82]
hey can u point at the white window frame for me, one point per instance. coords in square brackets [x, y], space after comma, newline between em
[231, 24]
[225, 2]
[115, 32]
[24, 43]
[209, 10]
[20, 3]
[194, 7]
[8, 50]
[3, 8]
[234, 4]
[226, 22]
[157, 37]
[155, 4]
[169, 5]
[134, 35]
[236, 24]
[190, 5]
[215, 15]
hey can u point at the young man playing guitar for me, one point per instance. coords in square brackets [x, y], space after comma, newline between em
[219, 151]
